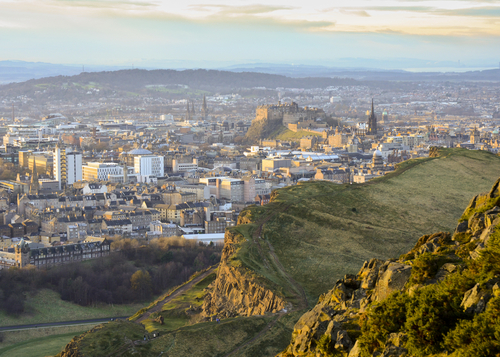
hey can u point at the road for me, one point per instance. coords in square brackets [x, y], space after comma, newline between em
[63, 323]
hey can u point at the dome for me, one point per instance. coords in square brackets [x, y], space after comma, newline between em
[139, 152]
[377, 153]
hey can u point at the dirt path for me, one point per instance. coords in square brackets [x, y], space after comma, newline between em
[175, 294]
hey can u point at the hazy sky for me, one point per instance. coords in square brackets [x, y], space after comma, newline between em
[313, 31]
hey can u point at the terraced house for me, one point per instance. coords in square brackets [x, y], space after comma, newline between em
[22, 256]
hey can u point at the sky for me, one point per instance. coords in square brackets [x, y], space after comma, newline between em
[197, 33]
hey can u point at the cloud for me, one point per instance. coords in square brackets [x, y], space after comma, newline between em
[11, 25]
[228, 10]
[105, 4]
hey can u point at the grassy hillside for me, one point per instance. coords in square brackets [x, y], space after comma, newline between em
[320, 231]
[286, 134]
[39, 342]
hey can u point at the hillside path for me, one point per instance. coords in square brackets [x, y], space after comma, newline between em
[175, 294]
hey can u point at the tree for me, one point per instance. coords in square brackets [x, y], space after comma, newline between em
[141, 283]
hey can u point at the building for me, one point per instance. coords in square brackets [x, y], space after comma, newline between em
[217, 225]
[231, 189]
[44, 164]
[184, 166]
[164, 229]
[54, 255]
[377, 161]
[271, 165]
[339, 140]
[149, 165]
[99, 171]
[91, 188]
[287, 113]
[67, 166]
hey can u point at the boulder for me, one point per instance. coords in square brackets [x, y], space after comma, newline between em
[393, 278]
[462, 227]
[369, 273]
[355, 351]
[343, 341]
[445, 270]
[475, 300]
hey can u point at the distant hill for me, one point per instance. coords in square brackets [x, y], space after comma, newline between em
[136, 80]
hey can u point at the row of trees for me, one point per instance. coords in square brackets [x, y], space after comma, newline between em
[132, 274]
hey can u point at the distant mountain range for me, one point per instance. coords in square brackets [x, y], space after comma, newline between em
[20, 71]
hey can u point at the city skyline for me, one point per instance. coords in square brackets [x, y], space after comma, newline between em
[159, 33]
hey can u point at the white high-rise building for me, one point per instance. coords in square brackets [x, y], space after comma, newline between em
[149, 165]
[108, 171]
[67, 166]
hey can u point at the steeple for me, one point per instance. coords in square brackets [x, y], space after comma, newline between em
[34, 185]
[372, 122]
[204, 110]
[188, 113]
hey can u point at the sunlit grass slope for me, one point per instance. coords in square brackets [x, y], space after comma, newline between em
[320, 231]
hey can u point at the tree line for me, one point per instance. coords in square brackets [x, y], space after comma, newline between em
[131, 274]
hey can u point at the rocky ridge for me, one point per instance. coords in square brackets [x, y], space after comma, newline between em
[235, 292]
[419, 304]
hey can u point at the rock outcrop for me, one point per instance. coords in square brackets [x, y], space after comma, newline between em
[333, 326]
[235, 292]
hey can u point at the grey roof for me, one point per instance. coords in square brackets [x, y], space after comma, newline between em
[139, 151]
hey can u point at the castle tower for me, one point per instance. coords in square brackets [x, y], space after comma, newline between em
[34, 184]
[372, 122]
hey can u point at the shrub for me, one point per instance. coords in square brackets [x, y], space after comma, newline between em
[424, 267]
[383, 319]
[479, 337]
[432, 312]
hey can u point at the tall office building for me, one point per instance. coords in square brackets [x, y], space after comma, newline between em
[67, 166]
[149, 165]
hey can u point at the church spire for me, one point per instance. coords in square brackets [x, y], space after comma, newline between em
[372, 122]
[34, 185]
[204, 110]
[188, 113]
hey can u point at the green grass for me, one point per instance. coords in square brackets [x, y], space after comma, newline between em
[174, 312]
[39, 347]
[47, 306]
[319, 238]
[286, 134]
[202, 339]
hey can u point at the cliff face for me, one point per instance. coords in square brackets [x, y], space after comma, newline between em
[443, 295]
[235, 292]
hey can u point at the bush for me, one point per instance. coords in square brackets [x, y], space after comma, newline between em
[479, 337]
[423, 268]
[383, 319]
[432, 312]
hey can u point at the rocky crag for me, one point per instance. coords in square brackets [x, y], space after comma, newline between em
[441, 298]
[235, 291]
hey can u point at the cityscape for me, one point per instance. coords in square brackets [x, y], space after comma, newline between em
[221, 179]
